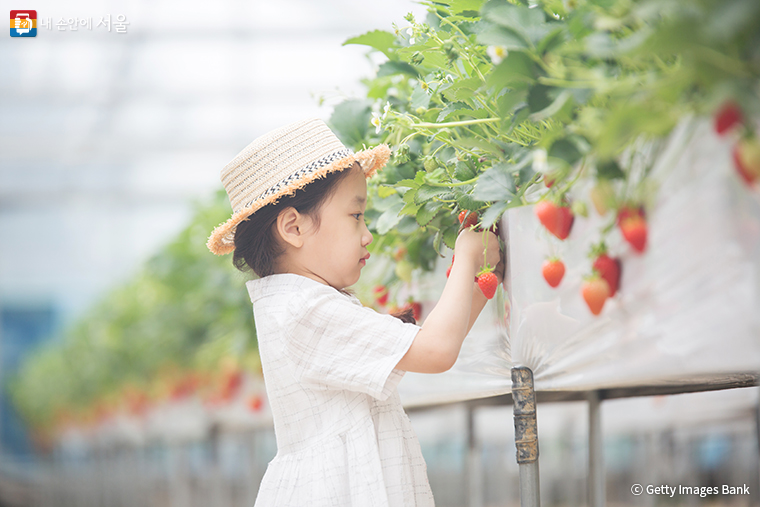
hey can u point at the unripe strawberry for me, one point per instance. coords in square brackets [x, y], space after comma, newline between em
[404, 271]
[595, 291]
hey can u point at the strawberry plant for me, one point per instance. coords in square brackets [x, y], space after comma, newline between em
[490, 105]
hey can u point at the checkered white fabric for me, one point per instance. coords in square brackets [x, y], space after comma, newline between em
[343, 438]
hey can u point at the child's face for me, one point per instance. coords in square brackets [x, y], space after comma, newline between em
[333, 255]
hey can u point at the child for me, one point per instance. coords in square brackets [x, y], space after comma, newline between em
[331, 365]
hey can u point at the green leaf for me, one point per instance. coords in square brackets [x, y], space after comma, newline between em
[377, 39]
[394, 67]
[515, 68]
[350, 121]
[463, 89]
[566, 150]
[609, 170]
[426, 193]
[460, 6]
[500, 36]
[496, 184]
[539, 98]
[450, 234]
[419, 98]
[428, 211]
[493, 213]
[463, 171]
[389, 218]
[528, 23]
[385, 191]
[508, 101]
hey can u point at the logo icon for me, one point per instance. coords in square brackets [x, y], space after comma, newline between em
[23, 23]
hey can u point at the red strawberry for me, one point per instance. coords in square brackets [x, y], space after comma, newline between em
[557, 219]
[727, 116]
[609, 269]
[634, 231]
[381, 294]
[595, 292]
[553, 271]
[628, 211]
[468, 218]
[487, 282]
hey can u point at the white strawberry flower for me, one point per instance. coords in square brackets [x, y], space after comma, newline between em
[386, 109]
[496, 53]
[376, 121]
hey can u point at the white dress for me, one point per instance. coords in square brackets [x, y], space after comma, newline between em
[343, 438]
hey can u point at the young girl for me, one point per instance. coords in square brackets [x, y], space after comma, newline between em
[331, 365]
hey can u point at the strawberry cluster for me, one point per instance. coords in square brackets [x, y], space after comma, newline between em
[746, 151]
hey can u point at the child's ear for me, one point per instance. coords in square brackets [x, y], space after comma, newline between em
[292, 225]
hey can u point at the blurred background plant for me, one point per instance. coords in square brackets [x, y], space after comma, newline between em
[176, 329]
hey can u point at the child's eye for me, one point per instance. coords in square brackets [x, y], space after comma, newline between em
[357, 215]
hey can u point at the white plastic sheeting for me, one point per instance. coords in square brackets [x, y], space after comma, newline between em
[687, 309]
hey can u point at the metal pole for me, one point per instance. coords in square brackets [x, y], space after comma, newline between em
[596, 487]
[526, 435]
[474, 468]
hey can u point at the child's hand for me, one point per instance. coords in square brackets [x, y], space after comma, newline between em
[471, 245]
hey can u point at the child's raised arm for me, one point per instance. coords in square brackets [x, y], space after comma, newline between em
[436, 346]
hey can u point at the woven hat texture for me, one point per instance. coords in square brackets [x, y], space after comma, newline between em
[280, 162]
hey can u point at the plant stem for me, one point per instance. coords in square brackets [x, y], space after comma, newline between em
[455, 123]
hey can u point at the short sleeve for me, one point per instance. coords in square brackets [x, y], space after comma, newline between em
[335, 343]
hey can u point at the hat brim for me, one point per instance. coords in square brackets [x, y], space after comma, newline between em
[222, 239]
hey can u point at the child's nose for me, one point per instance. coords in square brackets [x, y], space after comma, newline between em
[367, 238]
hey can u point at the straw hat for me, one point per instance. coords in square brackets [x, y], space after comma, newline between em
[279, 163]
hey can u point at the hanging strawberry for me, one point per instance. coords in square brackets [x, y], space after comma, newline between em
[595, 291]
[557, 219]
[728, 116]
[633, 226]
[553, 271]
[608, 267]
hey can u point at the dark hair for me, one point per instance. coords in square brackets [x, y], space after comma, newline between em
[256, 244]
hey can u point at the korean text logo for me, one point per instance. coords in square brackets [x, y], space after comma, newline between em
[23, 23]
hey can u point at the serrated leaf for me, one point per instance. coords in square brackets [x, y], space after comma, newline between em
[450, 236]
[385, 191]
[419, 98]
[390, 218]
[427, 192]
[468, 202]
[394, 67]
[427, 212]
[463, 89]
[463, 171]
[492, 214]
[410, 208]
[496, 184]
[407, 183]
[377, 39]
